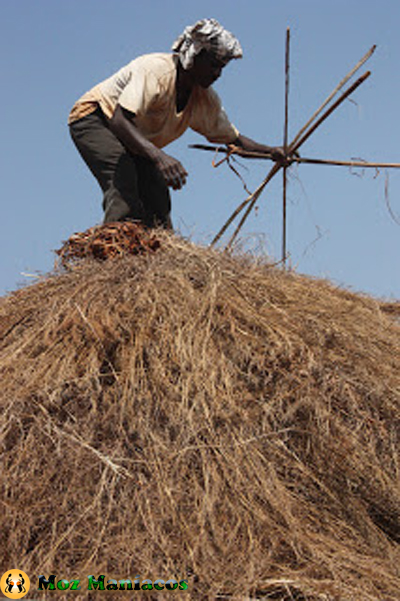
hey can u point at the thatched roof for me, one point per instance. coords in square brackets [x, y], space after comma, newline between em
[193, 415]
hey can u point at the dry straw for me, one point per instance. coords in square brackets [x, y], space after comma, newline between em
[197, 415]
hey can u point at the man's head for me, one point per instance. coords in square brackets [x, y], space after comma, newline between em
[206, 68]
[205, 48]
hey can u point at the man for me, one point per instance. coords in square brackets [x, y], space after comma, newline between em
[121, 126]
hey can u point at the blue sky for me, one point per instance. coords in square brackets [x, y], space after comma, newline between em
[339, 226]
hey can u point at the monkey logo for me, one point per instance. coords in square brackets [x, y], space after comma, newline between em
[14, 584]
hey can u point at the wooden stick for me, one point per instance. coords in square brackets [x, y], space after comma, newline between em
[335, 91]
[285, 145]
[301, 139]
[251, 201]
[245, 154]
[366, 164]
[259, 155]
[238, 210]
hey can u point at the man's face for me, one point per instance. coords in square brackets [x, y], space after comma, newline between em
[206, 69]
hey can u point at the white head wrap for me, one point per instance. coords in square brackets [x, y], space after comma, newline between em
[206, 34]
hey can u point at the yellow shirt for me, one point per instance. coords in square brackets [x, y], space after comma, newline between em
[146, 87]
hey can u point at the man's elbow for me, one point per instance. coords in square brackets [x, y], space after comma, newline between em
[120, 120]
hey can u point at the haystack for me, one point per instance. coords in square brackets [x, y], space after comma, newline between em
[192, 415]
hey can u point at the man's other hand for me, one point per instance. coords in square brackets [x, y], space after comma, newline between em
[172, 170]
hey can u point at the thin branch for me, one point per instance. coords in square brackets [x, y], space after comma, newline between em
[259, 155]
[287, 67]
[236, 212]
[299, 140]
[236, 172]
[335, 91]
[285, 144]
[346, 163]
[252, 201]
[387, 200]
[231, 150]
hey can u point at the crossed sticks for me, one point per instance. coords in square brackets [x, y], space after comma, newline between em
[290, 149]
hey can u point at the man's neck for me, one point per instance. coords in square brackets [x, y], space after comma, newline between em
[184, 86]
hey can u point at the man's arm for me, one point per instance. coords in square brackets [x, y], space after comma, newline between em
[122, 124]
[277, 153]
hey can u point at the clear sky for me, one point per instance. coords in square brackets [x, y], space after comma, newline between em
[339, 225]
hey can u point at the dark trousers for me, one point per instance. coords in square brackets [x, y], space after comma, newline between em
[133, 187]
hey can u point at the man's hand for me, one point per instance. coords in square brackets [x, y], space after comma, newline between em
[122, 124]
[172, 170]
[277, 154]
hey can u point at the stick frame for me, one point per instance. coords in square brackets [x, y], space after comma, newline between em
[305, 132]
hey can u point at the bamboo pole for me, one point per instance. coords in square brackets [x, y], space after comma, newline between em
[285, 146]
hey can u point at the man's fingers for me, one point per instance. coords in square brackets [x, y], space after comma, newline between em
[178, 178]
[176, 182]
[173, 172]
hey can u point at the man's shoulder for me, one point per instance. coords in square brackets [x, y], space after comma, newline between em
[155, 62]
